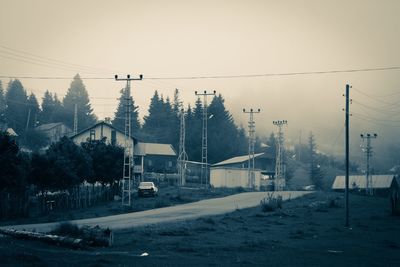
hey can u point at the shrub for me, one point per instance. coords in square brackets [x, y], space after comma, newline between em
[271, 203]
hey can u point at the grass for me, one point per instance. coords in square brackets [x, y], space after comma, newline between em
[271, 203]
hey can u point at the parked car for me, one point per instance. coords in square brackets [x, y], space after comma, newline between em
[147, 189]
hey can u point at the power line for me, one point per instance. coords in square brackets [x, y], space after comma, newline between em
[276, 74]
[213, 77]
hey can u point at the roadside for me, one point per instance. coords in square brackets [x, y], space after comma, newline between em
[307, 231]
[187, 211]
[168, 196]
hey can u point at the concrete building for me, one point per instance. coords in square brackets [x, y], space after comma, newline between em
[233, 172]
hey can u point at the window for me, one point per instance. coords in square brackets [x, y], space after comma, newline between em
[92, 135]
[170, 164]
[149, 162]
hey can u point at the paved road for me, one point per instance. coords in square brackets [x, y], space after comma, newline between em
[193, 210]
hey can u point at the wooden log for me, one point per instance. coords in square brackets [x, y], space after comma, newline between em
[52, 239]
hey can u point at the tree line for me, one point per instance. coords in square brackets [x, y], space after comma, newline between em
[23, 113]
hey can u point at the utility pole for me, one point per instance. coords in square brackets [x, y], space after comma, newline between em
[183, 157]
[252, 141]
[368, 153]
[204, 159]
[280, 169]
[76, 119]
[346, 191]
[128, 142]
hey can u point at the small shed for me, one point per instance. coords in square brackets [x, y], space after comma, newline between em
[228, 177]
[380, 183]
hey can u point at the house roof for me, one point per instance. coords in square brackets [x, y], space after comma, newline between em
[234, 160]
[359, 181]
[101, 123]
[143, 149]
[48, 126]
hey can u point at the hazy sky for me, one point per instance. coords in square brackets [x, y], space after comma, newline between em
[206, 38]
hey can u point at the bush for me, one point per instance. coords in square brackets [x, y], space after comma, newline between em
[271, 203]
[68, 229]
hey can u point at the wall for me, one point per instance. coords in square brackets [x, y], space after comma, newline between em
[231, 178]
[101, 131]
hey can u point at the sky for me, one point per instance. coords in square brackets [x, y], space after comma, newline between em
[164, 39]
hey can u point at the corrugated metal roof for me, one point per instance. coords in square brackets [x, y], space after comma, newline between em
[143, 149]
[360, 181]
[238, 159]
[48, 126]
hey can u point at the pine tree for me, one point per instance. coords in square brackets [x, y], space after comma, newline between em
[193, 131]
[315, 172]
[52, 109]
[153, 124]
[77, 94]
[33, 106]
[119, 119]
[223, 135]
[17, 106]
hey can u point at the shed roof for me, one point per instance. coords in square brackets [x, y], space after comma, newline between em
[234, 160]
[48, 126]
[359, 181]
[143, 149]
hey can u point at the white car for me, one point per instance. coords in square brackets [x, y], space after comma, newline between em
[147, 189]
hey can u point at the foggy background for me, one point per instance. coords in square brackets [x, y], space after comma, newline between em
[161, 39]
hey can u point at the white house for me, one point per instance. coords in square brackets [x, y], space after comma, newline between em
[103, 131]
[148, 157]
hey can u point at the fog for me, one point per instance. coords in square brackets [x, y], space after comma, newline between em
[208, 38]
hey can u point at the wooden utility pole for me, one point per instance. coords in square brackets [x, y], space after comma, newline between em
[346, 191]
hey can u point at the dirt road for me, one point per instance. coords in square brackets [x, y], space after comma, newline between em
[176, 213]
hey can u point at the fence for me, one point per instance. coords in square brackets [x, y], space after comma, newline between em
[32, 203]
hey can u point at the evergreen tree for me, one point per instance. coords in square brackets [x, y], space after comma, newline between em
[193, 131]
[3, 104]
[315, 172]
[119, 119]
[52, 109]
[78, 95]
[223, 135]
[33, 107]
[153, 122]
[17, 106]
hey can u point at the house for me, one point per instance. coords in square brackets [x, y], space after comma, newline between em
[153, 157]
[54, 131]
[147, 157]
[103, 131]
[233, 172]
[380, 183]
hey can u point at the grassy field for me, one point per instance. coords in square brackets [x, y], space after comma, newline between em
[306, 232]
